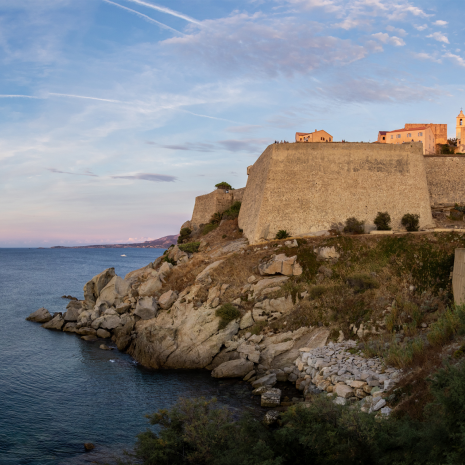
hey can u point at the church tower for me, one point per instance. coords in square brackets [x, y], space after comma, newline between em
[460, 130]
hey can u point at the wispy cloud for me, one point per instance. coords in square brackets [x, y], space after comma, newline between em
[386, 39]
[439, 37]
[86, 97]
[427, 56]
[86, 173]
[19, 96]
[166, 10]
[456, 58]
[148, 177]
[421, 27]
[147, 18]
[440, 22]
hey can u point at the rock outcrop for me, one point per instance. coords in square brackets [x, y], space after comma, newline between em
[40, 316]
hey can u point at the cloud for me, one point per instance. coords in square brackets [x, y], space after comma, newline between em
[421, 28]
[385, 39]
[427, 56]
[258, 45]
[19, 96]
[86, 173]
[439, 37]
[166, 10]
[245, 145]
[456, 58]
[399, 31]
[371, 90]
[148, 177]
[147, 18]
[86, 98]
[440, 22]
[194, 147]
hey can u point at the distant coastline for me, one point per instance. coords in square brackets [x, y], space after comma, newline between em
[161, 243]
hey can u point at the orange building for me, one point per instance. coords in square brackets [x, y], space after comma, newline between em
[460, 129]
[422, 134]
[316, 136]
[439, 131]
[382, 137]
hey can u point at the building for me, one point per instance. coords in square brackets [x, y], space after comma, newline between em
[316, 136]
[422, 134]
[460, 129]
[382, 137]
[439, 131]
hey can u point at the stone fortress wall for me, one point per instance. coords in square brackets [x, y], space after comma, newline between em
[306, 188]
[217, 201]
[445, 175]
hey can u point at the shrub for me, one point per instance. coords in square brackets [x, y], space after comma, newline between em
[317, 291]
[184, 234]
[354, 226]
[456, 215]
[362, 282]
[460, 208]
[383, 221]
[257, 327]
[216, 218]
[208, 228]
[169, 260]
[282, 234]
[190, 247]
[223, 185]
[227, 313]
[411, 222]
[232, 212]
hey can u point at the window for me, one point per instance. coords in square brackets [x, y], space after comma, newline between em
[392, 137]
[384, 137]
[398, 136]
[420, 134]
[409, 135]
[460, 122]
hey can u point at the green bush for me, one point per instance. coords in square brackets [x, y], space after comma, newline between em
[216, 218]
[460, 208]
[411, 222]
[282, 234]
[383, 221]
[190, 247]
[169, 260]
[223, 185]
[362, 282]
[232, 212]
[208, 228]
[354, 226]
[184, 234]
[227, 313]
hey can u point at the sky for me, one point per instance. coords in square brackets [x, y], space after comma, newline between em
[116, 114]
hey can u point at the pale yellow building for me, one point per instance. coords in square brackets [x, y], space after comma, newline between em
[439, 131]
[460, 129]
[382, 137]
[316, 136]
[422, 134]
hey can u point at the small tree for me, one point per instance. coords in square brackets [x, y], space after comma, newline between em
[227, 313]
[184, 234]
[223, 185]
[354, 226]
[383, 221]
[282, 234]
[411, 222]
[216, 218]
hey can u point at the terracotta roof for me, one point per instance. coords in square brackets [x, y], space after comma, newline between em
[305, 133]
[408, 130]
[383, 133]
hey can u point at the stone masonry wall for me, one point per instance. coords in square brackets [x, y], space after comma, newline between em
[217, 201]
[306, 188]
[446, 178]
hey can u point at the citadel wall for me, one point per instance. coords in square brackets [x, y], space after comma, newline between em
[217, 201]
[446, 178]
[305, 188]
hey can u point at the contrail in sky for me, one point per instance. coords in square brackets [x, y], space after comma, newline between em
[19, 96]
[166, 10]
[87, 98]
[147, 18]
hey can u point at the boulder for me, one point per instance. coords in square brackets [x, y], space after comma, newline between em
[103, 333]
[150, 287]
[110, 322]
[267, 380]
[165, 270]
[271, 417]
[74, 309]
[167, 299]
[93, 287]
[56, 323]
[344, 391]
[249, 349]
[122, 308]
[204, 276]
[327, 253]
[115, 289]
[40, 316]
[104, 347]
[123, 335]
[222, 357]
[177, 254]
[271, 398]
[246, 321]
[146, 308]
[70, 328]
[268, 282]
[133, 276]
[86, 331]
[280, 264]
[233, 369]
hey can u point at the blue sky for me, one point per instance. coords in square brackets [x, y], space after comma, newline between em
[116, 114]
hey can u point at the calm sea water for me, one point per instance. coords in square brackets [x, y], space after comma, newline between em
[58, 392]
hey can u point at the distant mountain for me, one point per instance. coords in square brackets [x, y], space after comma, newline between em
[162, 243]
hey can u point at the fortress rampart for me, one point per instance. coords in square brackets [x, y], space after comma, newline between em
[217, 201]
[446, 178]
[305, 188]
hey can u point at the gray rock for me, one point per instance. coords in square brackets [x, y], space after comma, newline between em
[146, 308]
[249, 375]
[86, 331]
[233, 369]
[246, 321]
[70, 328]
[378, 405]
[122, 308]
[103, 333]
[40, 316]
[110, 322]
[56, 323]
[167, 299]
[104, 347]
[271, 398]
[271, 417]
[267, 380]
[150, 287]
[93, 288]
[74, 308]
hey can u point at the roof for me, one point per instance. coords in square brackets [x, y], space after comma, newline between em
[383, 133]
[408, 130]
[305, 133]
[461, 113]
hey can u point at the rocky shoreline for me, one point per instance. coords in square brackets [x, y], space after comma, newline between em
[165, 316]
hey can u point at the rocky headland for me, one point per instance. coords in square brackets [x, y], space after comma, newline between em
[324, 313]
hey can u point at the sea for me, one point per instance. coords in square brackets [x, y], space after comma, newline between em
[57, 391]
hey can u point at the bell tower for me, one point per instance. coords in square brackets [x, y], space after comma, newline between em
[460, 129]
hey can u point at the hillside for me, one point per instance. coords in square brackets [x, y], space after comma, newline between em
[161, 243]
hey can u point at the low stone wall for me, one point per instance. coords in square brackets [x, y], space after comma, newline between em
[446, 178]
[217, 201]
[305, 188]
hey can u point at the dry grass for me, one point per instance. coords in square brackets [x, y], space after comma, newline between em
[184, 275]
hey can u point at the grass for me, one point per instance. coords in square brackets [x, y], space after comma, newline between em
[190, 247]
[208, 228]
[257, 328]
[227, 313]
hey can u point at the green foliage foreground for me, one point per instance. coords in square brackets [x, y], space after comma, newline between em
[198, 431]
